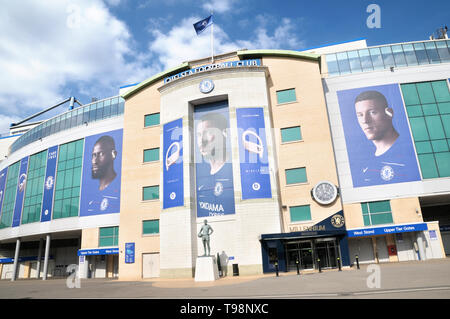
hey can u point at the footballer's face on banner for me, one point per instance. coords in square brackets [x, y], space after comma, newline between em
[102, 160]
[374, 119]
[210, 140]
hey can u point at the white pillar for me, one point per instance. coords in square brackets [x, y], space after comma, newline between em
[16, 260]
[420, 244]
[47, 252]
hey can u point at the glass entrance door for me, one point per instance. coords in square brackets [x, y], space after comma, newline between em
[301, 251]
[326, 251]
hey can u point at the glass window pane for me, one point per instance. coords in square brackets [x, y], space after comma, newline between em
[423, 147]
[344, 65]
[443, 163]
[300, 213]
[419, 129]
[421, 54]
[435, 128]
[365, 208]
[388, 58]
[366, 62]
[106, 231]
[379, 219]
[151, 119]
[410, 54]
[441, 92]
[430, 109]
[355, 63]
[399, 57]
[150, 192]
[366, 219]
[428, 166]
[381, 206]
[432, 52]
[286, 96]
[425, 93]
[296, 175]
[151, 155]
[332, 64]
[150, 227]
[446, 124]
[439, 146]
[291, 134]
[414, 110]
[376, 58]
[443, 51]
[410, 94]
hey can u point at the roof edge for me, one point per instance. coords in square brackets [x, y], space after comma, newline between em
[153, 79]
[280, 53]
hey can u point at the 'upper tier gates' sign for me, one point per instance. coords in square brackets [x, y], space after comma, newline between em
[215, 66]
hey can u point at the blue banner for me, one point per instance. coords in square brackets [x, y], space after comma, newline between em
[21, 185]
[387, 230]
[3, 175]
[96, 252]
[255, 177]
[49, 184]
[173, 193]
[129, 253]
[213, 168]
[102, 166]
[379, 143]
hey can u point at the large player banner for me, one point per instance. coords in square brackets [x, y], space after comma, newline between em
[3, 175]
[255, 177]
[213, 168]
[173, 193]
[21, 184]
[49, 184]
[102, 167]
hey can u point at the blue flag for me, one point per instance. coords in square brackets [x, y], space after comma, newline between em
[201, 25]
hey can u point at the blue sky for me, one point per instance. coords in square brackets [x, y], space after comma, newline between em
[54, 49]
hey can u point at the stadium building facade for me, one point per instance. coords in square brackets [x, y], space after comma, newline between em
[271, 147]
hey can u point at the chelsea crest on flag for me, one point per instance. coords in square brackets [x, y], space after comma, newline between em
[201, 25]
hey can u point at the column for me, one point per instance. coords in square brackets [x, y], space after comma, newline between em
[16, 260]
[38, 265]
[47, 252]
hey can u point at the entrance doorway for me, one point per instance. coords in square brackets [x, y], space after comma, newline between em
[301, 251]
[326, 252]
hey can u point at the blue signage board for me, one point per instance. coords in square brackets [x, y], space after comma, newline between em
[253, 159]
[3, 175]
[49, 184]
[102, 166]
[129, 253]
[387, 230]
[379, 144]
[21, 185]
[215, 66]
[100, 251]
[213, 167]
[173, 193]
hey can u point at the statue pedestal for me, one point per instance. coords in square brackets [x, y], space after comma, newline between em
[206, 269]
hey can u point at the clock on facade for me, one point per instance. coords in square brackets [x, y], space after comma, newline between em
[206, 86]
[324, 192]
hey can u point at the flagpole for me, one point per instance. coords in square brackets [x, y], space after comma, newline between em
[212, 39]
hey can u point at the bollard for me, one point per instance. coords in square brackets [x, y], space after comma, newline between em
[318, 262]
[298, 270]
[357, 261]
[339, 263]
[276, 268]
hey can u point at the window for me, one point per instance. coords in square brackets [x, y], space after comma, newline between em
[108, 236]
[300, 213]
[150, 227]
[286, 96]
[428, 108]
[291, 134]
[9, 198]
[296, 175]
[151, 119]
[151, 155]
[377, 213]
[35, 188]
[150, 192]
[68, 179]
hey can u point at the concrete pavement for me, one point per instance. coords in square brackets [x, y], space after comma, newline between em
[427, 279]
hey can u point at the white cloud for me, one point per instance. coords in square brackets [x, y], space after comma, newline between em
[54, 44]
[219, 6]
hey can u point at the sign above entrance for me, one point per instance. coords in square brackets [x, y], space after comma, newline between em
[387, 230]
[100, 251]
[215, 66]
